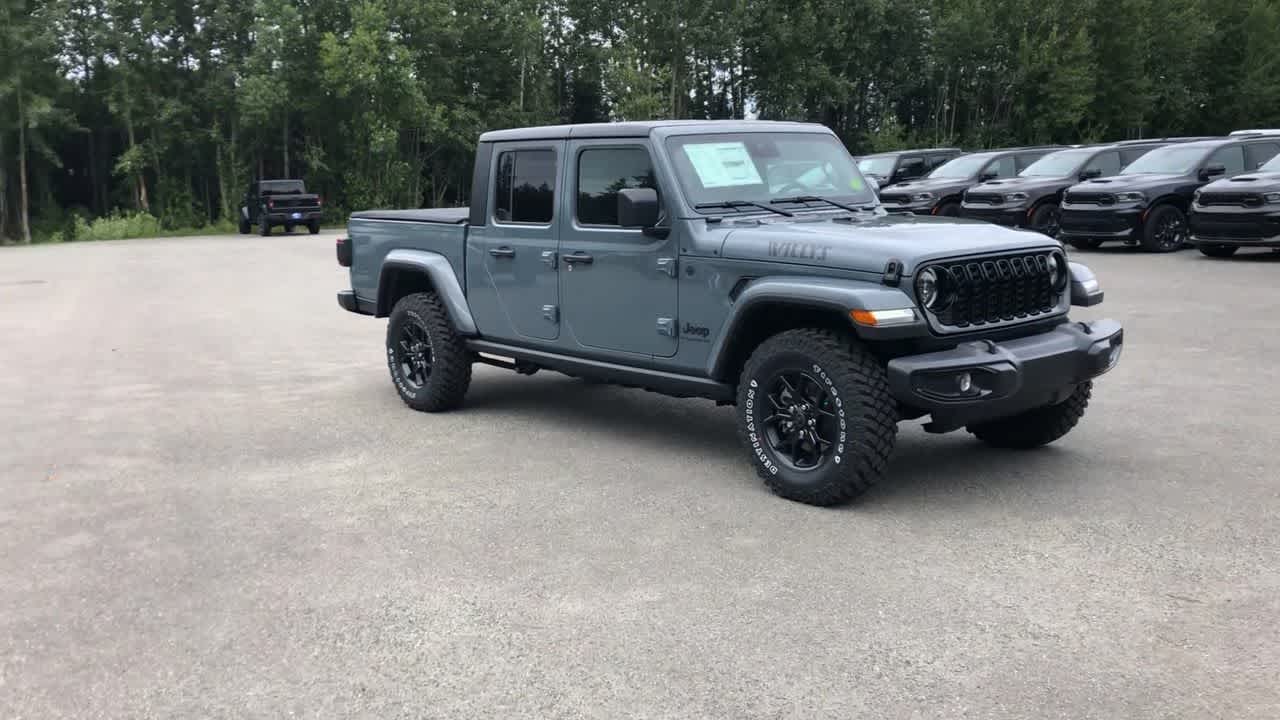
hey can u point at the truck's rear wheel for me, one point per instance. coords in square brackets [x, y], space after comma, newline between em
[429, 364]
[264, 228]
[1036, 427]
[815, 412]
[245, 227]
[313, 227]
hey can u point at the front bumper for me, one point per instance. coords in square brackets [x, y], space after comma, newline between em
[1007, 216]
[1109, 224]
[1239, 227]
[1005, 378]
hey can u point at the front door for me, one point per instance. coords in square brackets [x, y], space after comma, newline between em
[618, 285]
[511, 259]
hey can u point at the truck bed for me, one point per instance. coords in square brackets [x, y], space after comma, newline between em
[450, 216]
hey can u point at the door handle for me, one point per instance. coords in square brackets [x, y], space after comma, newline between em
[578, 257]
[502, 252]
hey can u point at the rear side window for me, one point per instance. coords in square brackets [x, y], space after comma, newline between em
[602, 172]
[1257, 155]
[1025, 161]
[1003, 168]
[937, 161]
[1129, 155]
[1107, 162]
[525, 186]
[1230, 157]
[910, 167]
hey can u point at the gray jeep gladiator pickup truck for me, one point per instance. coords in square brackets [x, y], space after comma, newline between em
[744, 262]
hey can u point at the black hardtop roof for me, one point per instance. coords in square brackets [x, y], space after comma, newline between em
[895, 153]
[643, 129]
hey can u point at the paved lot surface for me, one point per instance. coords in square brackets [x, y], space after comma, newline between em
[215, 506]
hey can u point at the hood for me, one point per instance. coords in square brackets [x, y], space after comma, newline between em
[1121, 183]
[933, 185]
[1022, 184]
[868, 244]
[1253, 182]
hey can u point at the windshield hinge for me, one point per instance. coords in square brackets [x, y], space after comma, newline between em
[892, 273]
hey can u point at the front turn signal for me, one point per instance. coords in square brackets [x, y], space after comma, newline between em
[883, 318]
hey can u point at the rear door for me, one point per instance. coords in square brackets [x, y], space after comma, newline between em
[619, 286]
[511, 259]
[1257, 154]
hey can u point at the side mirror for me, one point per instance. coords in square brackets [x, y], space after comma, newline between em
[1091, 174]
[988, 175]
[638, 207]
[1213, 171]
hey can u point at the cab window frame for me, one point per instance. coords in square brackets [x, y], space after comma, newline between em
[494, 182]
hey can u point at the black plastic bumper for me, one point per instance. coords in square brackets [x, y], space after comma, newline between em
[1005, 378]
[1237, 226]
[1099, 224]
[1009, 217]
[287, 216]
[349, 302]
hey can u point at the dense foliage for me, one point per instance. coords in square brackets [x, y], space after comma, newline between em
[170, 107]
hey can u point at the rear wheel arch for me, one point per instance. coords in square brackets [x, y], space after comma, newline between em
[398, 281]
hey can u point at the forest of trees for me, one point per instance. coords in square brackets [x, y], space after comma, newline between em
[170, 107]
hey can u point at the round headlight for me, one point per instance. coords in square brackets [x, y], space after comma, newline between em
[927, 287]
[1057, 270]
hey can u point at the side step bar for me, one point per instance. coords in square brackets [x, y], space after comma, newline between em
[654, 380]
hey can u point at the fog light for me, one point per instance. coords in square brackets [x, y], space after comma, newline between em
[1113, 355]
[965, 382]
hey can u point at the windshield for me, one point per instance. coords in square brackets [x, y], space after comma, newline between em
[282, 187]
[882, 166]
[961, 167]
[1171, 160]
[1059, 164]
[760, 167]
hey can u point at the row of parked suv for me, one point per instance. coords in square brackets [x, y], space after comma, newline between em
[1218, 193]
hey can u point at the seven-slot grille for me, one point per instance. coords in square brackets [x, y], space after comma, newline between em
[1090, 198]
[992, 290]
[1230, 198]
[984, 198]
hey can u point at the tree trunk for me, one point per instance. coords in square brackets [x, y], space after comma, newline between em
[285, 143]
[23, 209]
[139, 179]
[4, 191]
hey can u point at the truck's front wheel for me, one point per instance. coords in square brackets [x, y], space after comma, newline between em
[1037, 427]
[429, 364]
[814, 411]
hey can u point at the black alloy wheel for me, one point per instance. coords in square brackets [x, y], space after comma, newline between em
[413, 355]
[803, 427]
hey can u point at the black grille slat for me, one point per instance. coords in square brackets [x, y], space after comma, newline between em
[984, 198]
[994, 290]
[1228, 198]
[1090, 198]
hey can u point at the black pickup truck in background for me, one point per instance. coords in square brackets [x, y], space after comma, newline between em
[269, 203]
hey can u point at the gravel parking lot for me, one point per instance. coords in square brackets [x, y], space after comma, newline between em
[215, 506]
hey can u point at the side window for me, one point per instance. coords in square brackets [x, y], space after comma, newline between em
[602, 172]
[525, 186]
[1004, 167]
[1108, 163]
[909, 167]
[1230, 157]
[1257, 155]
[1025, 161]
[1131, 154]
[938, 160]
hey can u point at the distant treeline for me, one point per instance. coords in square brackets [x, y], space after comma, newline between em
[170, 107]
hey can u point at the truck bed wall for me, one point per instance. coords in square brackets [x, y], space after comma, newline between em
[371, 240]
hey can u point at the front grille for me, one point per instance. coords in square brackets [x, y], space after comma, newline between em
[1238, 227]
[992, 290]
[895, 199]
[984, 198]
[1090, 198]
[1223, 198]
[1087, 221]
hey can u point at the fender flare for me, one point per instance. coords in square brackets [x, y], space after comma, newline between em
[819, 293]
[442, 277]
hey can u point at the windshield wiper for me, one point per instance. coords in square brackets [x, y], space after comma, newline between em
[734, 204]
[816, 198]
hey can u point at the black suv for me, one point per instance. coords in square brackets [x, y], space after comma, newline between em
[1032, 199]
[895, 167]
[1147, 203]
[939, 193]
[1243, 211]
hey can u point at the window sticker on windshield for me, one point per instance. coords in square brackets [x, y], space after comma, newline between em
[856, 183]
[726, 164]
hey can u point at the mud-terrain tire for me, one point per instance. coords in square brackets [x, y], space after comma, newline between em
[843, 389]
[1045, 219]
[245, 227]
[430, 366]
[1218, 251]
[1165, 230]
[264, 228]
[1086, 244]
[1036, 427]
[313, 227]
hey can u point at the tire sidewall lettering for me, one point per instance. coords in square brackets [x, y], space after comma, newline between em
[754, 437]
